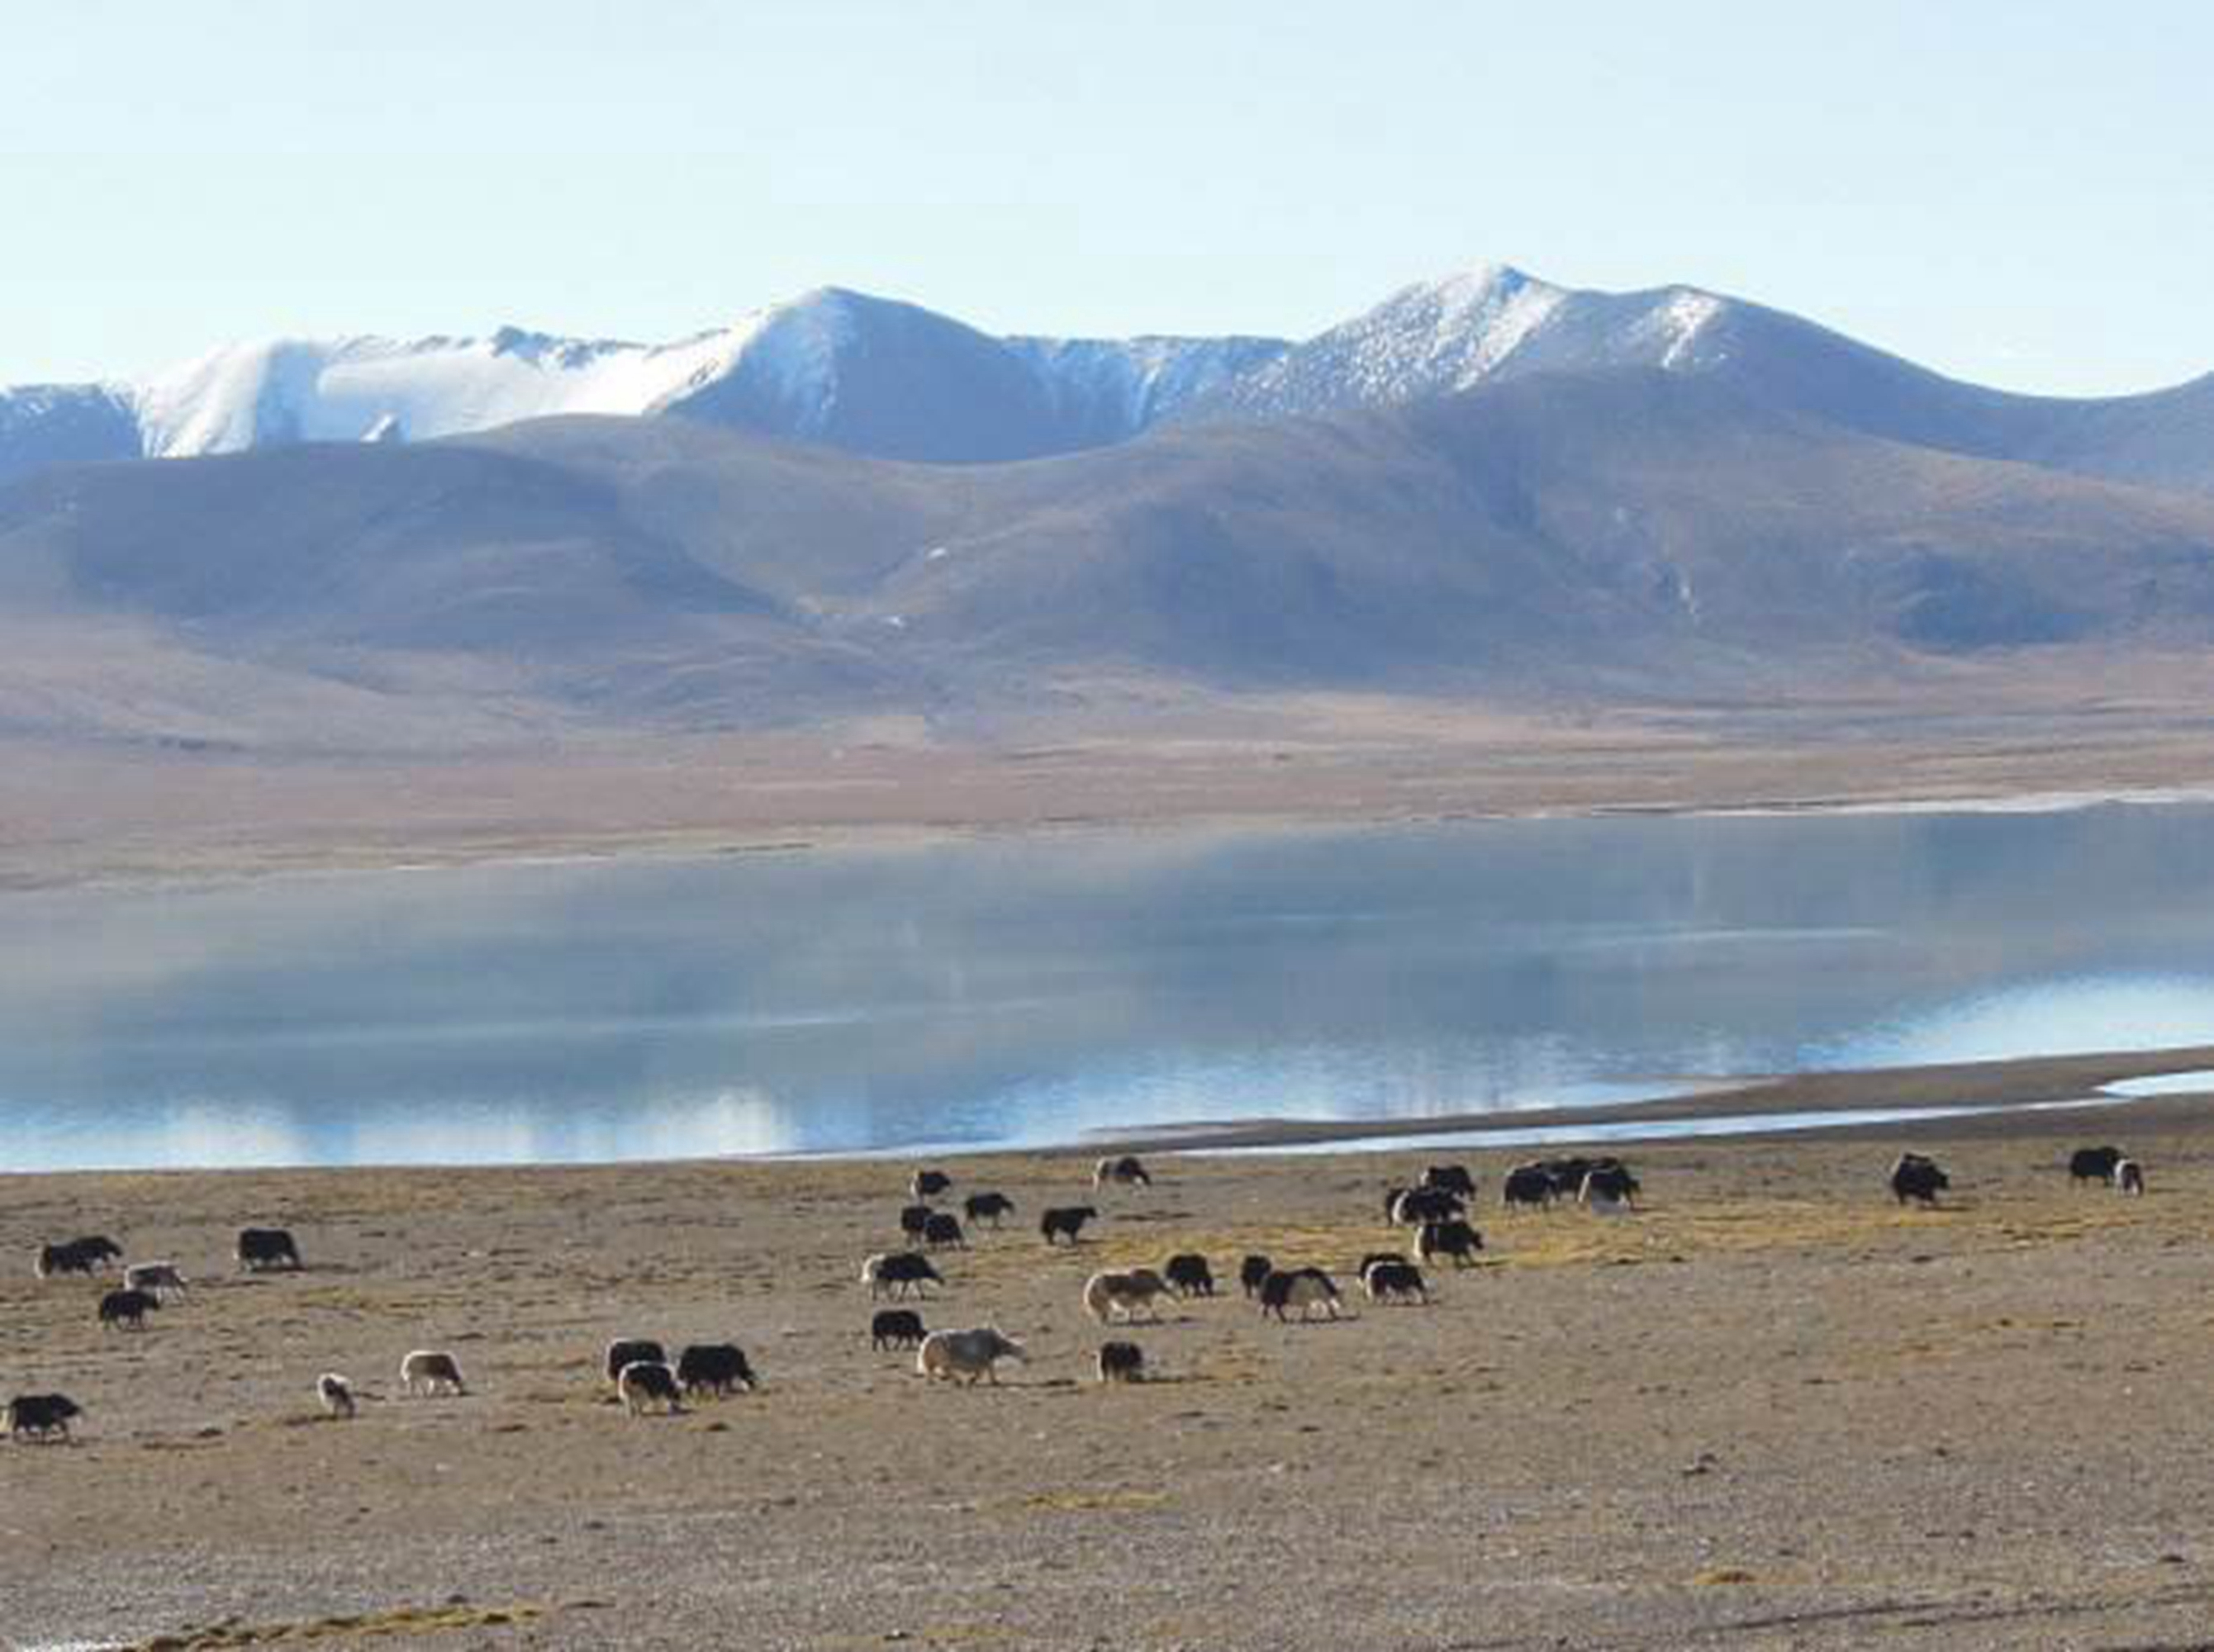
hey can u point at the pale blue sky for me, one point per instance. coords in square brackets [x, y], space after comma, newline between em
[2021, 193]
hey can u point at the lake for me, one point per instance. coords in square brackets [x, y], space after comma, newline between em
[1028, 991]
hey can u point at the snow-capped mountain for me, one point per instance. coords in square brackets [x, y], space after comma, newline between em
[892, 380]
[895, 381]
[1494, 324]
[869, 375]
[303, 390]
[1492, 321]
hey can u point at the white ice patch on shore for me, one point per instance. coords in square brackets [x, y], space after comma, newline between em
[2164, 1083]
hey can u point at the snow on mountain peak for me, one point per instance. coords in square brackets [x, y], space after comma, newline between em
[1490, 321]
[796, 347]
[1425, 340]
[1456, 330]
[297, 389]
[1681, 318]
[876, 374]
[1129, 383]
[310, 390]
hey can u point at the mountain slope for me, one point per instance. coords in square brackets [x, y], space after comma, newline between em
[2164, 438]
[1495, 323]
[1637, 523]
[43, 425]
[898, 382]
[1632, 532]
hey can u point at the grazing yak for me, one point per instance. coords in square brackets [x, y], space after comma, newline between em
[1121, 1363]
[90, 1254]
[2094, 1163]
[944, 1228]
[40, 1417]
[1068, 1220]
[899, 1273]
[1413, 1206]
[1122, 1294]
[1456, 1240]
[644, 1384]
[127, 1308]
[1125, 1172]
[987, 1208]
[261, 1248]
[1304, 1288]
[101, 1250]
[55, 1260]
[715, 1368]
[1252, 1272]
[1529, 1185]
[159, 1279]
[1393, 1279]
[2129, 1176]
[965, 1355]
[430, 1371]
[1607, 1184]
[929, 1184]
[93, 1253]
[1188, 1272]
[1451, 1179]
[1567, 1175]
[1917, 1177]
[915, 1221]
[630, 1350]
[895, 1328]
[336, 1394]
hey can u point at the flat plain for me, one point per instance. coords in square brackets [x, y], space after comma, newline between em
[1773, 1409]
[150, 811]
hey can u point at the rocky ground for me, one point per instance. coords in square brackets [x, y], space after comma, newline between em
[1772, 1410]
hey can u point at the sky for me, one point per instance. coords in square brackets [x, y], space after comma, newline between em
[2021, 193]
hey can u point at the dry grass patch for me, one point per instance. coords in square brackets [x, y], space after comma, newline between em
[1232, 1362]
[399, 1620]
[1094, 1501]
[1671, 1232]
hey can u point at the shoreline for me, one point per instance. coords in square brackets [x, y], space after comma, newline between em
[2022, 1095]
[276, 862]
[1959, 1090]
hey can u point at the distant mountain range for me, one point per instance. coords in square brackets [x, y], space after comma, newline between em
[865, 375]
[889, 380]
[1484, 487]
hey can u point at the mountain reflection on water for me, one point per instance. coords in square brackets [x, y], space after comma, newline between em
[1025, 991]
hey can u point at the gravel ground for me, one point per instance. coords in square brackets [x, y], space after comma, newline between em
[1770, 1410]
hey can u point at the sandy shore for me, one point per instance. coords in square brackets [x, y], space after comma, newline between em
[1998, 1090]
[1773, 1410]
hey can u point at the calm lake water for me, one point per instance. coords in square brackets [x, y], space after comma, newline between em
[1023, 992]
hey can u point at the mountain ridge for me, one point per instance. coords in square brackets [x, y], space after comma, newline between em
[889, 379]
[869, 373]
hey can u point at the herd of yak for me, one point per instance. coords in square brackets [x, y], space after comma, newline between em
[1436, 1208]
